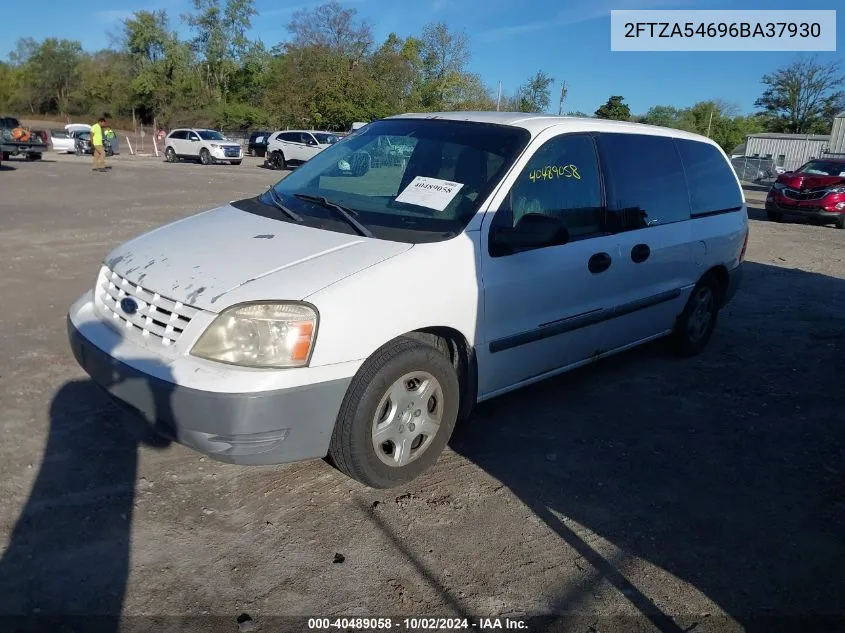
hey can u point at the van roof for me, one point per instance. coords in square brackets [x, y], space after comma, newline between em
[535, 123]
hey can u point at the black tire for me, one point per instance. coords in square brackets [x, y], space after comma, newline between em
[840, 221]
[5, 156]
[236, 162]
[277, 160]
[352, 450]
[774, 216]
[692, 333]
[205, 157]
[78, 150]
[170, 155]
[251, 152]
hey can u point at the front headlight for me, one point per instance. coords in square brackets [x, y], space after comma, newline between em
[260, 335]
[836, 189]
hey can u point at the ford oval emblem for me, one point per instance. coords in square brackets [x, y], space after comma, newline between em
[129, 305]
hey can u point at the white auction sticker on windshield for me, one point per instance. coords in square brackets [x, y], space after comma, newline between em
[430, 192]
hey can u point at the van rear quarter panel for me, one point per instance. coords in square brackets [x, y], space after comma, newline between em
[723, 236]
[430, 285]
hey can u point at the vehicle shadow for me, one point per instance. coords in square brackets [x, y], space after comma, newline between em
[6, 167]
[67, 560]
[757, 186]
[726, 471]
[757, 213]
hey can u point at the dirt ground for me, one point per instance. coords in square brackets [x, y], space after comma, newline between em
[641, 493]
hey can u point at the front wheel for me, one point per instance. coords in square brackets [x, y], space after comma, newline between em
[170, 155]
[236, 162]
[205, 157]
[397, 416]
[696, 323]
[840, 221]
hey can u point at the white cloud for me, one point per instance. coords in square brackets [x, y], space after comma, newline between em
[580, 11]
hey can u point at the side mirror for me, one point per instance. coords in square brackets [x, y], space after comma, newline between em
[534, 230]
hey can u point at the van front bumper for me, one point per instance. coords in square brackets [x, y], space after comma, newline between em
[265, 427]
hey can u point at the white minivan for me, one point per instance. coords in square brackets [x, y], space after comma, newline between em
[358, 313]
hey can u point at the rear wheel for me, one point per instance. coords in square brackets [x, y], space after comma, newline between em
[251, 152]
[170, 155]
[695, 326]
[840, 221]
[397, 416]
[205, 156]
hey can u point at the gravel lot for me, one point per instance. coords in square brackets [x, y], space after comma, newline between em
[641, 493]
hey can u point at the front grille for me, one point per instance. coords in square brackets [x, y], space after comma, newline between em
[794, 194]
[158, 318]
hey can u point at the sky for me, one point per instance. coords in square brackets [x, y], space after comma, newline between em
[510, 40]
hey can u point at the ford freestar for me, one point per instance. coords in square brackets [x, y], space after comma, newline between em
[358, 308]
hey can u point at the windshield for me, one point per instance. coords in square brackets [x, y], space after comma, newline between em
[407, 180]
[823, 168]
[326, 139]
[211, 135]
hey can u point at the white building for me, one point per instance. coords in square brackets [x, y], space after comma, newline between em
[790, 151]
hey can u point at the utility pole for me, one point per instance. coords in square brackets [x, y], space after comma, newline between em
[710, 121]
[499, 98]
[562, 97]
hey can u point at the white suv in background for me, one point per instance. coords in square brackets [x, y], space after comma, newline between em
[207, 146]
[297, 146]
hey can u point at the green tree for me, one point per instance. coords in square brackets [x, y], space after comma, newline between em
[443, 58]
[802, 97]
[51, 72]
[615, 109]
[220, 39]
[331, 26]
[535, 94]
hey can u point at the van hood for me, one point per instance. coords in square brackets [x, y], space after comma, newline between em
[213, 259]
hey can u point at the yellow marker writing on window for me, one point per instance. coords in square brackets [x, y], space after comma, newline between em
[551, 172]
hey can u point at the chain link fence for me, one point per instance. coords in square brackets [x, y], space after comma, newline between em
[756, 170]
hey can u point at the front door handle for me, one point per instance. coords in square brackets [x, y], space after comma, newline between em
[640, 253]
[599, 262]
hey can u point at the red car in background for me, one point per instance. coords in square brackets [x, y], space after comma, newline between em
[816, 190]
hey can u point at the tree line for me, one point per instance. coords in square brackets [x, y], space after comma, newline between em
[330, 72]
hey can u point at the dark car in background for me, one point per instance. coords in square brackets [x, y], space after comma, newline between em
[82, 145]
[257, 145]
[815, 191]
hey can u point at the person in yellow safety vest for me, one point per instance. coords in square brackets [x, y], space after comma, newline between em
[97, 145]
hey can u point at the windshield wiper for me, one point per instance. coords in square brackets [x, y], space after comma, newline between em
[344, 213]
[277, 202]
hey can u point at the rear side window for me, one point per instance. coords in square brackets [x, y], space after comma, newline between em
[710, 179]
[644, 180]
[178, 135]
